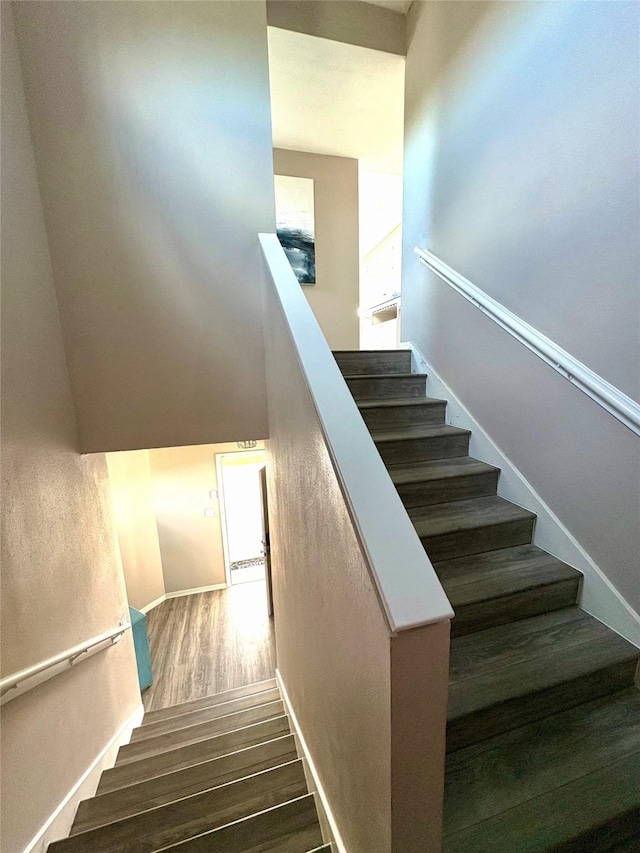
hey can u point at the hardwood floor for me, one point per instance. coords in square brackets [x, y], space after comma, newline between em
[209, 642]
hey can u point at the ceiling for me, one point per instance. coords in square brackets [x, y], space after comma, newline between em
[401, 6]
[328, 97]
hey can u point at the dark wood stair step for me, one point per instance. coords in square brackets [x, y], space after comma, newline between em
[403, 412]
[289, 828]
[254, 690]
[390, 385]
[192, 815]
[125, 802]
[496, 587]
[201, 715]
[598, 812]
[194, 753]
[459, 528]
[199, 731]
[504, 772]
[421, 444]
[444, 480]
[373, 361]
[505, 677]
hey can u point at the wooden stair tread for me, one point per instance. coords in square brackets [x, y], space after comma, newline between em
[193, 753]
[158, 790]
[492, 574]
[394, 402]
[505, 771]
[192, 815]
[438, 469]
[413, 432]
[511, 675]
[370, 360]
[207, 712]
[200, 715]
[591, 813]
[441, 519]
[206, 701]
[289, 828]
[402, 375]
[199, 731]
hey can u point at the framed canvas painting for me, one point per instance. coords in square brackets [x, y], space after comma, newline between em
[295, 225]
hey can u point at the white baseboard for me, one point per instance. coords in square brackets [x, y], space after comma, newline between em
[181, 592]
[195, 590]
[328, 825]
[153, 604]
[59, 823]
[598, 596]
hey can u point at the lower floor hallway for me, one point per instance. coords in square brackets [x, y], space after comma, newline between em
[209, 642]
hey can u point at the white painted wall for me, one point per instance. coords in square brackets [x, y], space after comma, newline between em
[348, 22]
[61, 578]
[152, 133]
[135, 520]
[521, 172]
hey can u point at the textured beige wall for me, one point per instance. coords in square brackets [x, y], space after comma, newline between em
[152, 135]
[334, 297]
[190, 542]
[61, 580]
[332, 639]
[135, 518]
[341, 20]
[522, 173]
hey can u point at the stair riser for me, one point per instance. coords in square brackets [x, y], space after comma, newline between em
[202, 715]
[448, 489]
[396, 417]
[178, 759]
[499, 611]
[388, 361]
[185, 818]
[407, 450]
[255, 692]
[387, 387]
[125, 802]
[487, 538]
[514, 713]
[292, 828]
[191, 734]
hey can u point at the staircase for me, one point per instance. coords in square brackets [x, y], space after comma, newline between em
[543, 733]
[218, 774]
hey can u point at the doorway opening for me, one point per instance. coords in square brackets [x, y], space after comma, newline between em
[241, 513]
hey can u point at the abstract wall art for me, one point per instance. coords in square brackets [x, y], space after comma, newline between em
[295, 225]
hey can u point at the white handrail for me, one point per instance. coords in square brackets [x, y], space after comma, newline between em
[407, 585]
[614, 401]
[26, 679]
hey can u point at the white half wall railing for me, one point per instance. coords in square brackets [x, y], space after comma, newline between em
[362, 622]
[610, 398]
[408, 587]
[26, 679]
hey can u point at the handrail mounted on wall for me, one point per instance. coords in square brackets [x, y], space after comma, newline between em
[606, 395]
[26, 679]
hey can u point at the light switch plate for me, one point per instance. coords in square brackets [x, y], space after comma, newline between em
[209, 511]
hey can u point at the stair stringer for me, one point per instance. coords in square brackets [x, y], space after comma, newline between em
[598, 596]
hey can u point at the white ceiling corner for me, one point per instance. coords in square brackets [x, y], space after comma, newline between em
[328, 97]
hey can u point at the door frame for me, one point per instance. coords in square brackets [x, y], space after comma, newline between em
[222, 507]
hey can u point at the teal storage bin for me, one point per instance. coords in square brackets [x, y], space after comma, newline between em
[141, 645]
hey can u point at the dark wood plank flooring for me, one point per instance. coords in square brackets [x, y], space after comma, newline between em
[209, 642]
